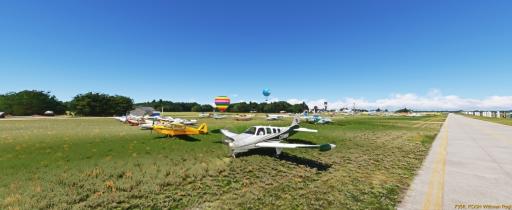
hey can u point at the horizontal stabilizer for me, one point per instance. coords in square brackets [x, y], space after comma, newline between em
[306, 130]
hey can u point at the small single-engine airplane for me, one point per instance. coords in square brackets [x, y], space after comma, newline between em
[268, 137]
[205, 115]
[149, 122]
[218, 116]
[212, 115]
[185, 121]
[243, 117]
[134, 120]
[178, 129]
[121, 119]
[317, 119]
[271, 117]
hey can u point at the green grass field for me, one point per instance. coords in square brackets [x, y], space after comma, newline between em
[504, 121]
[101, 163]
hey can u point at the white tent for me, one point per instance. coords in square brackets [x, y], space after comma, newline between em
[49, 113]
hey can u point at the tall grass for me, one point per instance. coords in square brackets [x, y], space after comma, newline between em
[100, 163]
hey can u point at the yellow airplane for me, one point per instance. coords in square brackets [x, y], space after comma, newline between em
[177, 129]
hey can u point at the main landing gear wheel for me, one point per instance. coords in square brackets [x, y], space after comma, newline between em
[278, 152]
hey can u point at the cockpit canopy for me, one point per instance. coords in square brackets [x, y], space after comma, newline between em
[262, 130]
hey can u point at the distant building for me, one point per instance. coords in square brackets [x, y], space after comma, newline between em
[141, 111]
[494, 114]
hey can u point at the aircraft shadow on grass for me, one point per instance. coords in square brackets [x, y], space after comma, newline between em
[299, 141]
[293, 159]
[184, 138]
[270, 152]
[216, 131]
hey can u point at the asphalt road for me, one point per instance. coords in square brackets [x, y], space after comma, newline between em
[468, 167]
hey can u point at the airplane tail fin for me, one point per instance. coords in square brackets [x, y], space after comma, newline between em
[203, 128]
[230, 136]
[296, 120]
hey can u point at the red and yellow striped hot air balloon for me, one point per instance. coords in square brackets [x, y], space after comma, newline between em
[222, 103]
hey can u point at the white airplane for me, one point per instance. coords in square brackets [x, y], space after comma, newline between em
[204, 115]
[185, 121]
[218, 116]
[271, 117]
[347, 111]
[121, 119]
[268, 137]
[317, 119]
[149, 122]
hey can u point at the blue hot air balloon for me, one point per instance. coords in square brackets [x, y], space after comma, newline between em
[266, 93]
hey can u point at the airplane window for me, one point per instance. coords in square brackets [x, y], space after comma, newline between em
[261, 131]
[269, 131]
[279, 130]
[275, 131]
[251, 130]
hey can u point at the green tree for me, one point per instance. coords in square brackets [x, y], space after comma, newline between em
[197, 108]
[268, 108]
[29, 102]
[298, 108]
[170, 106]
[98, 104]
[404, 110]
[206, 108]
[239, 107]
[121, 104]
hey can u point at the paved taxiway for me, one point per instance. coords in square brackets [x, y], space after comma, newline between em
[468, 167]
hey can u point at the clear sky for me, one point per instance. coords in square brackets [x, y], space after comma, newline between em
[302, 50]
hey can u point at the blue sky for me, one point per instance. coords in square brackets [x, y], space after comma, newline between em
[302, 50]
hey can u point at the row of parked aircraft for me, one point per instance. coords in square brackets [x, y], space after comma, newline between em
[253, 138]
[315, 119]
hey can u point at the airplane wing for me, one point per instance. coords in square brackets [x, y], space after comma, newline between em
[282, 145]
[322, 147]
[306, 130]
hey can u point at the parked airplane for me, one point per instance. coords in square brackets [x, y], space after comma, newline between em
[317, 119]
[347, 111]
[185, 121]
[205, 115]
[243, 117]
[271, 117]
[121, 119]
[218, 116]
[268, 137]
[134, 120]
[177, 129]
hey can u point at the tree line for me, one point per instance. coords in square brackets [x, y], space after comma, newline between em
[273, 107]
[169, 106]
[35, 102]
[243, 107]
[30, 102]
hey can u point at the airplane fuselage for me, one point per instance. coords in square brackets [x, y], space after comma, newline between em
[247, 140]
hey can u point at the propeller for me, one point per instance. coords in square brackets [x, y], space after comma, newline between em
[152, 126]
[227, 141]
[326, 147]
